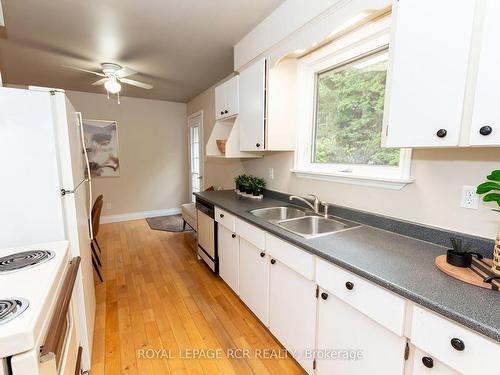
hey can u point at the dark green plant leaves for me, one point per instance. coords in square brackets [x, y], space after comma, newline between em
[485, 187]
[494, 176]
[492, 197]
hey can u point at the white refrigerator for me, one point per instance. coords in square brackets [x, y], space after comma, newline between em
[45, 189]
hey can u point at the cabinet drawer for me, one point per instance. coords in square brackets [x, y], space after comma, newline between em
[425, 364]
[374, 301]
[250, 233]
[434, 334]
[223, 218]
[298, 260]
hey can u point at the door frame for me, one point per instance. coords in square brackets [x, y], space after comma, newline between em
[202, 151]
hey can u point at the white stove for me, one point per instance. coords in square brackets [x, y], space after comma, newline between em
[32, 279]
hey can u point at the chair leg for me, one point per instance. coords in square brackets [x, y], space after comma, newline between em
[96, 268]
[184, 225]
[97, 243]
[95, 254]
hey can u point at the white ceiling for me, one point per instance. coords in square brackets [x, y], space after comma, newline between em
[180, 46]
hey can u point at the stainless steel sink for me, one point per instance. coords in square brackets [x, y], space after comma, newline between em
[316, 226]
[278, 213]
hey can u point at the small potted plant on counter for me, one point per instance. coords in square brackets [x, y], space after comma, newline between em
[491, 193]
[258, 184]
[238, 180]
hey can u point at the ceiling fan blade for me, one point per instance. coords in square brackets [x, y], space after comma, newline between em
[84, 70]
[136, 83]
[99, 82]
[124, 72]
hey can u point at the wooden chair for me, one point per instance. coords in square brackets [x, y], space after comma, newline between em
[96, 217]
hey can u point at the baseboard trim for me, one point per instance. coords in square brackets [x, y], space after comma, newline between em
[106, 219]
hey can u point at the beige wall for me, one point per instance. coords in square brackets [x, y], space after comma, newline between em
[217, 172]
[433, 199]
[152, 137]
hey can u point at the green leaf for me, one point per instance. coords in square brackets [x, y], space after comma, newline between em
[486, 187]
[494, 176]
[492, 197]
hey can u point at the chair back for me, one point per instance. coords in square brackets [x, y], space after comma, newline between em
[99, 198]
[96, 215]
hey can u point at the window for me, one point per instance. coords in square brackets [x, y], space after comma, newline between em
[342, 94]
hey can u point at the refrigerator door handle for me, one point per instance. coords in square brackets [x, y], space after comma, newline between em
[88, 176]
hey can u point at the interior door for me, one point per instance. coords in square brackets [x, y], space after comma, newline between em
[195, 126]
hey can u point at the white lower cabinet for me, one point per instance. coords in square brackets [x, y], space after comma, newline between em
[254, 279]
[425, 364]
[229, 249]
[292, 312]
[344, 329]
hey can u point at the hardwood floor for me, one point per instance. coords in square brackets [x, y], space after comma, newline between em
[158, 301]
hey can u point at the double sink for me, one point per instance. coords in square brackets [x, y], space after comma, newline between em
[303, 223]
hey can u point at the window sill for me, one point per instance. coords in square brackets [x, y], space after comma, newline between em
[370, 181]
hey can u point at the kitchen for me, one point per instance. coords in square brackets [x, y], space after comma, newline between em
[353, 157]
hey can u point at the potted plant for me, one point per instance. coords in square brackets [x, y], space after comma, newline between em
[244, 181]
[238, 182]
[491, 193]
[249, 184]
[258, 184]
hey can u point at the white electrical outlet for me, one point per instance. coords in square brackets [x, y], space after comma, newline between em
[271, 173]
[469, 198]
[108, 206]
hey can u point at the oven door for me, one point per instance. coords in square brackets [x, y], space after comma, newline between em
[59, 353]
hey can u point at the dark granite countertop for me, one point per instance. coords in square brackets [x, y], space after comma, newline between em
[401, 264]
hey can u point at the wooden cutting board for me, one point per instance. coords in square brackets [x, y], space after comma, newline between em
[478, 271]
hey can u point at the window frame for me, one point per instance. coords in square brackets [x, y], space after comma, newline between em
[367, 40]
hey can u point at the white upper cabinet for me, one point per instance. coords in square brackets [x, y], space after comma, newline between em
[427, 76]
[485, 126]
[226, 99]
[252, 88]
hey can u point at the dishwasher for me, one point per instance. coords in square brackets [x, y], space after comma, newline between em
[207, 234]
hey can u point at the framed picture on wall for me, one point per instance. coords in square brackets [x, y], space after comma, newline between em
[101, 142]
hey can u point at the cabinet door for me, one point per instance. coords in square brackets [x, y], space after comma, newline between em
[252, 106]
[485, 128]
[425, 364]
[428, 71]
[228, 257]
[254, 280]
[292, 312]
[341, 327]
[220, 101]
[232, 95]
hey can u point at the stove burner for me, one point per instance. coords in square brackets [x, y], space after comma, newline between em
[25, 259]
[11, 308]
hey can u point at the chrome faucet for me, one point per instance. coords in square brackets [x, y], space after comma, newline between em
[314, 206]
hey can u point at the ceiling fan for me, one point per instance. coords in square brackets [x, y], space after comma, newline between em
[113, 76]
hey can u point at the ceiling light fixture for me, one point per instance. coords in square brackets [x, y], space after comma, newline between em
[112, 85]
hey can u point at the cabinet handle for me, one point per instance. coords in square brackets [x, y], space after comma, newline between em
[324, 295]
[428, 362]
[273, 261]
[257, 144]
[262, 254]
[457, 344]
[485, 130]
[221, 215]
[233, 235]
[349, 285]
[221, 112]
[225, 111]
[441, 133]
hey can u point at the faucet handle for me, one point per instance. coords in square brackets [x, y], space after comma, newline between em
[325, 207]
[315, 197]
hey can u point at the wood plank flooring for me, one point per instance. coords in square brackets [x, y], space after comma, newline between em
[158, 301]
